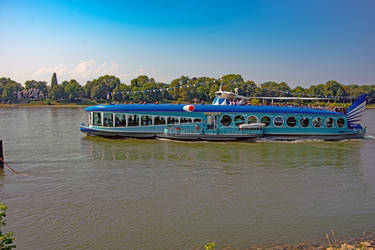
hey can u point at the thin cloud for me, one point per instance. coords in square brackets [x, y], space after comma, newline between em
[59, 69]
[83, 71]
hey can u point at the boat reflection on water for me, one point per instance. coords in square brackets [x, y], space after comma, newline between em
[234, 154]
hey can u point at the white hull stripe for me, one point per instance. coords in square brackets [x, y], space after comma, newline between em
[359, 107]
[354, 116]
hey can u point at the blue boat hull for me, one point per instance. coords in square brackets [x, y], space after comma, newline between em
[250, 136]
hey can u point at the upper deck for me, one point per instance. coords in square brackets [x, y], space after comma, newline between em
[207, 108]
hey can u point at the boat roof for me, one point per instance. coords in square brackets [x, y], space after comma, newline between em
[206, 108]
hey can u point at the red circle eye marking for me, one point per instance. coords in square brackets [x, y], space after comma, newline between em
[191, 108]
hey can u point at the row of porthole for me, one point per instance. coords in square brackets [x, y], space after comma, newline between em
[278, 121]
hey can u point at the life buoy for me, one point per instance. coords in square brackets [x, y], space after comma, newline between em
[189, 108]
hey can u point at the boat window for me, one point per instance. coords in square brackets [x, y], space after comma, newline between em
[211, 122]
[329, 122]
[238, 120]
[291, 121]
[146, 120]
[159, 120]
[225, 120]
[317, 122]
[278, 121]
[252, 119]
[185, 120]
[340, 122]
[172, 120]
[133, 120]
[107, 119]
[197, 120]
[120, 120]
[304, 122]
[266, 120]
[97, 119]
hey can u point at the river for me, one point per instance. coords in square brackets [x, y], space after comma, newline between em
[95, 193]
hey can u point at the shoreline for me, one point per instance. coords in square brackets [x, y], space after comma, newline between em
[17, 105]
[330, 243]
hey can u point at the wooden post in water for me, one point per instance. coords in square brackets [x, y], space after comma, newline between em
[1, 155]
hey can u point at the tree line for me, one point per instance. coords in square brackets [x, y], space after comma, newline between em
[141, 89]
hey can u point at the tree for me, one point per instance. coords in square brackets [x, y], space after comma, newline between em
[9, 92]
[99, 91]
[54, 80]
[119, 93]
[318, 90]
[333, 88]
[232, 78]
[99, 88]
[73, 91]
[56, 92]
[32, 84]
[6, 239]
[141, 80]
[299, 90]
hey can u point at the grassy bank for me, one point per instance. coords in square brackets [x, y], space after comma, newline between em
[330, 243]
[27, 105]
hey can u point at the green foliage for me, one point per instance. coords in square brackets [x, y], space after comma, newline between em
[32, 84]
[254, 101]
[334, 88]
[54, 80]
[99, 88]
[57, 92]
[141, 80]
[6, 239]
[210, 246]
[73, 91]
[183, 89]
[8, 90]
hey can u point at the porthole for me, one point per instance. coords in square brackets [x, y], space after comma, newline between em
[278, 121]
[317, 122]
[225, 120]
[238, 120]
[291, 121]
[266, 120]
[329, 122]
[340, 122]
[252, 119]
[304, 122]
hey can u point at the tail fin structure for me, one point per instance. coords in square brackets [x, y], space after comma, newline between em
[355, 112]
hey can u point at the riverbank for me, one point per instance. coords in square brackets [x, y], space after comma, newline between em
[28, 105]
[331, 243]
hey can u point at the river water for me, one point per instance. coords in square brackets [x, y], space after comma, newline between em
[95, 193]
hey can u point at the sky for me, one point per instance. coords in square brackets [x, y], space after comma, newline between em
[298, 42]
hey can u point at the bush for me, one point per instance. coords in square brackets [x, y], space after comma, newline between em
[6, 239]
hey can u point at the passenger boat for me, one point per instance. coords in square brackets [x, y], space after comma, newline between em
[223, 122]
